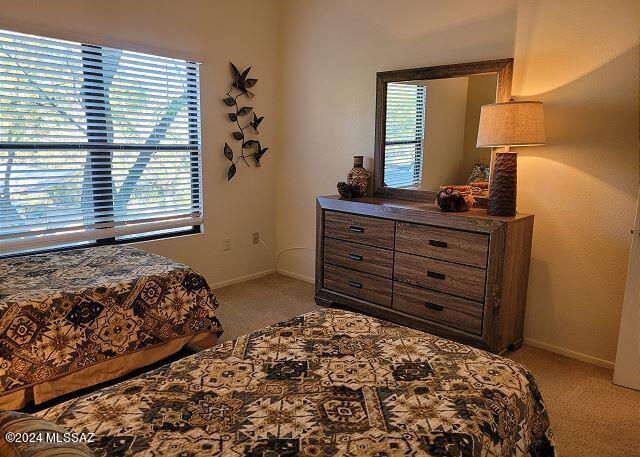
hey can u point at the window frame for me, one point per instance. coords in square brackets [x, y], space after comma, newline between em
[100, 151]
[418, 141]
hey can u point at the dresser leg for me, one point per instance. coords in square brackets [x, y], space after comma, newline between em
[515, 345]
[323, 302]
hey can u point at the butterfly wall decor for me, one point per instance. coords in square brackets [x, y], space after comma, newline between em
[244, 128]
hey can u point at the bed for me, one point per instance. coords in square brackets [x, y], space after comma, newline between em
[330, 382]
[75, 318]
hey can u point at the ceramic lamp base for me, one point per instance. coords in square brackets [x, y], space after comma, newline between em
[503, 187]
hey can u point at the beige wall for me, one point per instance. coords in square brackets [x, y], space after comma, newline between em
[482, 91]
[446, 106]
[579, 57]
[582, 62]
[212, 33]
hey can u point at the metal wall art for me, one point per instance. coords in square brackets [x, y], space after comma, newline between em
[249, 148]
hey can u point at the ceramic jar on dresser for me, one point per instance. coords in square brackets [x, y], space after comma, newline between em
[458, 275]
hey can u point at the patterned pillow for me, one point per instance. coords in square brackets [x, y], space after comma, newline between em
[479, 172]
[23, 435]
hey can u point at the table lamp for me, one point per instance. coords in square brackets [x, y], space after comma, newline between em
[503, 125]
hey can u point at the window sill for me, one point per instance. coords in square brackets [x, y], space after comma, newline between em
[195, 230]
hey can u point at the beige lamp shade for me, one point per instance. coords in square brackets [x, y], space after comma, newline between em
[511, 124]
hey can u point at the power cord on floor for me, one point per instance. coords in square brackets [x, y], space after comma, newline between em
[276, 258]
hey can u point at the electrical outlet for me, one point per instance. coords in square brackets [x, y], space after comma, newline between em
[255, 237]
[226, 244]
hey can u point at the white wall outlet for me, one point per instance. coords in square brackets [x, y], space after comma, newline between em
[226, 244]
[255, 237]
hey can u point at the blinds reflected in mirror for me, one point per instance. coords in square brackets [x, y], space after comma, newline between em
[95, 143]
[404, 135]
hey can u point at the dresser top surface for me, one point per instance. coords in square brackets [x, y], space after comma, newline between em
[382, 206]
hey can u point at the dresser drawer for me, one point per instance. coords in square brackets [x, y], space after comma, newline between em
[359, 229]
[375, 261]
[444, 244]
[451, 278]
[438, 307]
[356, 284]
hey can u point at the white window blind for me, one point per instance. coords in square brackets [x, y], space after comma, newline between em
[95, 143]
[404, 135]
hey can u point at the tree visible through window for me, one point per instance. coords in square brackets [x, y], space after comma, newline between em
[96, 144]
[404, 139]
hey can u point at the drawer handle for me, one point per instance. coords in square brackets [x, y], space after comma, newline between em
[438, 244]
[357, 285]
[433, 306]
[356, 257]
[434, 275]
[356, 229]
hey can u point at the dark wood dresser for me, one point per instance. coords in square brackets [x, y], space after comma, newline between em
[458, 275]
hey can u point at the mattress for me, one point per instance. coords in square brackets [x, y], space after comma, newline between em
[325, 383]
[72, 319]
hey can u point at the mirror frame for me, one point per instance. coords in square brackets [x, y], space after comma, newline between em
[502, 67]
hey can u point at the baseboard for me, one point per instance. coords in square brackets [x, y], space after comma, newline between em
[569, 353]
[261, 274]
[297, 276]
[240, 279]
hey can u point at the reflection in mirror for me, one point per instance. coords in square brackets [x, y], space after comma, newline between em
[431, 132]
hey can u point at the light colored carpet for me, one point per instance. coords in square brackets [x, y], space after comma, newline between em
[589, 415]
[255, 304]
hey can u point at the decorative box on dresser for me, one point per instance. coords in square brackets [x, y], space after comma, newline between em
[458, 275]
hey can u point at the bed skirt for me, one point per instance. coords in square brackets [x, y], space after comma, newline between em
[103, 371]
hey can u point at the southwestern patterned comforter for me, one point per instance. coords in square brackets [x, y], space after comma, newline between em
[72, 319]
[325, 383]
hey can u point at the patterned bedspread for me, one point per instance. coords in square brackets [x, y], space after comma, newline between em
[325, 383]
[66, 311]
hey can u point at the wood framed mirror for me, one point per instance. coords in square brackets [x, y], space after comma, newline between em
[427, 124]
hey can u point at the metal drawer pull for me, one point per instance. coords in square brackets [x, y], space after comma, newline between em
[357, 285]
[433, 306]
[434, 275]
[356, 257]
[356, 229]
[438, 244]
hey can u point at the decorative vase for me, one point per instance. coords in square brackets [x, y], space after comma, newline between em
[359, 176]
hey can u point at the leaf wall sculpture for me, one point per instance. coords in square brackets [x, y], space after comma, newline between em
[249, 148]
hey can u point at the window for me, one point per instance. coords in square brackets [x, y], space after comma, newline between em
[404, 135]
[97, 145]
